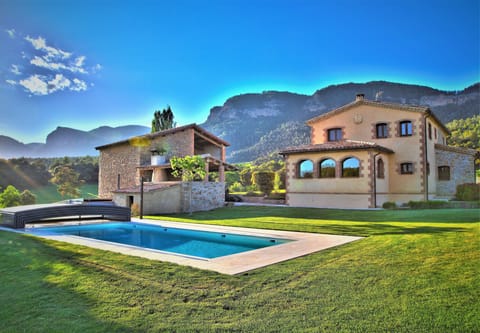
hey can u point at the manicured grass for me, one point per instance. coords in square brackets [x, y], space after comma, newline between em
[49, 193]
[417, 271]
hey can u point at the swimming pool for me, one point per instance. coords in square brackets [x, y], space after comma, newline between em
[192, 243]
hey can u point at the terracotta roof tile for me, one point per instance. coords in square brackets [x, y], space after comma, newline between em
[336, 146]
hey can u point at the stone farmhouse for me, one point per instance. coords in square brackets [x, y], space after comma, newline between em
[367, 152]
[123, 165]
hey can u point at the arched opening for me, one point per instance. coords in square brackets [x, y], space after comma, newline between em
[305, 169]
[380, 168]
[351, 167]
[327, 168]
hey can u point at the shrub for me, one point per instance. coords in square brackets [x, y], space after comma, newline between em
[468, 192]
[264, 180]
[428, 204]
[277, 196]
[27, 198]
[389, 205]
[246, 177]
[280, 176]
[236, 187]
[10, 197]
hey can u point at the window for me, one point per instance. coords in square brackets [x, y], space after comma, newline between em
[335, 134]
[351, 167]
[305, 169]
[327, 168]
[444, 172]
[380, 168]
[430, 131]
[406, 128]
[382, 131]
[406, 168]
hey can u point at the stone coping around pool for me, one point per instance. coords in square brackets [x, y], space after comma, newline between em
[302, 244]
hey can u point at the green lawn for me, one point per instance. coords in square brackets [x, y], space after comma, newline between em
[49, 193]
[417, 271]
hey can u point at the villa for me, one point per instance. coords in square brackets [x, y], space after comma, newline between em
[366, 153]
[139, 167]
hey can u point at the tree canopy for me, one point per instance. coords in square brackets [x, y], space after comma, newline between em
[189, 168]
[163, 120]
[67, 181]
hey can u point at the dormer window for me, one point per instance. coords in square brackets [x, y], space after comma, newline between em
[335, 134]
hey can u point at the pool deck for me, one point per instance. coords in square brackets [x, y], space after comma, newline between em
[303, 244]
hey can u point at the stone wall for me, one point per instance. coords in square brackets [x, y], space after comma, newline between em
[117, 160]
[461, 163]
[203, 196]
[177, 198]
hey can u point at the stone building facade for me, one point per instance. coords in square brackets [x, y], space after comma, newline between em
[124, 164]
[368, 152]
[454, 167]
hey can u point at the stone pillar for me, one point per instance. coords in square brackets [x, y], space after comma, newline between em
[206, 170]
[221, 167]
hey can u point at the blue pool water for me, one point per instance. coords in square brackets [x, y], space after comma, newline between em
[201, 244]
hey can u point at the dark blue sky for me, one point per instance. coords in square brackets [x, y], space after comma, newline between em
[89, 63]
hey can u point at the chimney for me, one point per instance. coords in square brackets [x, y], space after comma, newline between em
[359, 97]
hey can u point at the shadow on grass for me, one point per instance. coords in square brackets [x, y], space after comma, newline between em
[386, 229]
[37, 292]
[407, 215]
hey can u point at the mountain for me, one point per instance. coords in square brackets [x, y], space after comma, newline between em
[260, 124]
[257, 125]
[64, 141]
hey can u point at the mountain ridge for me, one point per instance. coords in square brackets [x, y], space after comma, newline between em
[66, 141]
[259, 124]
[245, 128]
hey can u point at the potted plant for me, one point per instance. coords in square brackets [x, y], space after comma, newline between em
[158, 155]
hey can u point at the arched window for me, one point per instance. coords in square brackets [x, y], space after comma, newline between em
[327, 168]
[305, 169]
[351, 167]
[380, 168]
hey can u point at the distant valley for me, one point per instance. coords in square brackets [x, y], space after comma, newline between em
[260, 124]
[64, 141]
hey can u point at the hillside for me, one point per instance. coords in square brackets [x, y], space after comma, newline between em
[64, 141]
[259, 124]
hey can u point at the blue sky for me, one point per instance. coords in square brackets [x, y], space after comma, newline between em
[89, 63]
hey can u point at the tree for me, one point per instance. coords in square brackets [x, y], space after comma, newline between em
[27, 198]
[10, 197]
[67, 181]
[264, 181]
[163, 120]
[188, 168]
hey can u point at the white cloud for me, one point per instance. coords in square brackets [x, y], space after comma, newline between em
[60, 82]
[79, 61]
[56, 66]
[47, 69]
[15, 70]
[78, 85]
[40, 43]
[35, 85]
[11, 33]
